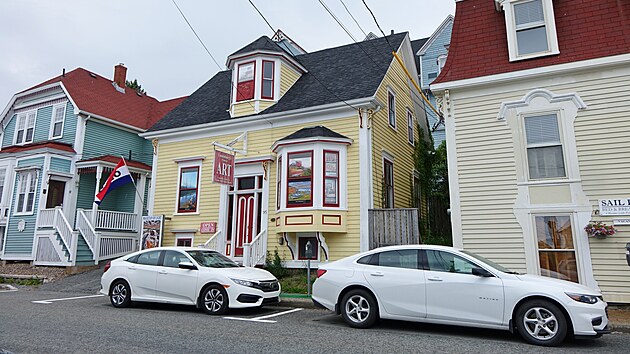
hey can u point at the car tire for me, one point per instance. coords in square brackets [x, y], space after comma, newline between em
[540, 322]
[214, 300]
[120, 294]
[359, 309]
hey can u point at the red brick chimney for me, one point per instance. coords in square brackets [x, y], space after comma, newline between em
[120, 75]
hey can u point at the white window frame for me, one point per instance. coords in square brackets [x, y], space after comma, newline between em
[411, 132]
[185, 235]
[576, 243]
[534, 146]
[51, 135]
[25, 178]
[25, 115]
[389, 121]
[389, 159]
[550, 29]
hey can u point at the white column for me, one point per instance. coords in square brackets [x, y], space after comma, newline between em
[99, 172]
[138, 205]
[365, 178]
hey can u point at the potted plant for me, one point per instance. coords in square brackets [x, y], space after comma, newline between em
[598, 229]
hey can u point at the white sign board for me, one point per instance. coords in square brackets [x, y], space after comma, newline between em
[621, 221]
[614, 206]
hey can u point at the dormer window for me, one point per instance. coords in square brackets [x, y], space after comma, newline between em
[267, 79]
[245, 85]
[531, 28]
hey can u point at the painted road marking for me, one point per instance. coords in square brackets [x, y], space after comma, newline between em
[64, 299]
[264, 319]
[8, 288]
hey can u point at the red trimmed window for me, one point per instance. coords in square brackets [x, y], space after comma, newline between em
[331, 178]
[388, 184]
[245, 81]
[188, 190]
[267, 79]
[300, 179]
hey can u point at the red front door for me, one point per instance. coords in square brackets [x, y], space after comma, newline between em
[245, 221]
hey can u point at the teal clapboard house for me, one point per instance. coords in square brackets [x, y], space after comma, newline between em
[431, 56]
[58, 144]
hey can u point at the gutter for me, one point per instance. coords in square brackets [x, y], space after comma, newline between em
[367, 102]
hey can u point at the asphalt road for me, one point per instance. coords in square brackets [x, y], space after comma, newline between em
[92, 325]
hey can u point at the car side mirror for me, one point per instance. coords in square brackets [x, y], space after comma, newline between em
[480, 272]
[187, 265]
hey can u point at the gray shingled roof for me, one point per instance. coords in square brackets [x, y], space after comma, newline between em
[334, 74]
[313, 132]
[262, 43]
[415, 47]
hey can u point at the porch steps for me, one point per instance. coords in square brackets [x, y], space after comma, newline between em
[84, 255]
[63, 247]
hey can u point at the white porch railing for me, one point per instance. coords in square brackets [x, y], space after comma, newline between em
[254, 252]
[114, 220]
[54, 218]
[87, 231]
[213, 242]
[112, 246]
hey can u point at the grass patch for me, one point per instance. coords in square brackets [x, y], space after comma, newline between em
[29, 282]
[294, 281]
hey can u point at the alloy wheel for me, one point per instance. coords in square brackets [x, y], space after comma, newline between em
[213, 300]
[357, 308]
[119, 294]
[540, 323]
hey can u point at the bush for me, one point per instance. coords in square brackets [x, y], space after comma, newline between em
[274, 264]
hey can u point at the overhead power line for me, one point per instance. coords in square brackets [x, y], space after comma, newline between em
[355, 20]
[196, 35]
[338, 21]
[263, 17]
[379, 26]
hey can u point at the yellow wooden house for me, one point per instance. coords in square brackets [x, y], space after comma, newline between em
[319, 140]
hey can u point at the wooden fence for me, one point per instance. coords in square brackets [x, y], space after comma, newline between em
[390, 227]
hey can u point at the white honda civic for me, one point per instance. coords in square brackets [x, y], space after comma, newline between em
[444, 285]
[188, 276]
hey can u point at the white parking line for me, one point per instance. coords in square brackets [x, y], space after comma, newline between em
[10, 288]
[66, 298]
[264, 318]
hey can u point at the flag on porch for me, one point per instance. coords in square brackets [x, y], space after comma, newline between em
[119, 177]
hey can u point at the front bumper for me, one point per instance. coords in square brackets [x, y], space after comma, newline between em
[589, 320]
[243, 296]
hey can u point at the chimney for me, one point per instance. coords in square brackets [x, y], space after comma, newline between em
[120, 75]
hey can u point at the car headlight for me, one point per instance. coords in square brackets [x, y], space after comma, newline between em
[247, 283]
[587, 299]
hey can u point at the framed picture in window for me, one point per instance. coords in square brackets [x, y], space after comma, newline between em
[300, 165]
[332, 162]
[299, 192]
[330, 191]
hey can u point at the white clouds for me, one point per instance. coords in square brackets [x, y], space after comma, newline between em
[39, 38]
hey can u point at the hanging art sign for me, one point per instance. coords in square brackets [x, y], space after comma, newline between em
[223, 170]
[152, 230]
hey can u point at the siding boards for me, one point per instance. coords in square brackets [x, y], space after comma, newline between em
[9, 132]
[21, 243]
[60, 165]
[101, 139]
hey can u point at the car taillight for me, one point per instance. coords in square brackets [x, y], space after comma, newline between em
[107, 266]
[321, 272]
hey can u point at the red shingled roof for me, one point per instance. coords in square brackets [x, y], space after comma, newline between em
[116, 159]
[587, 29]
[39, 145]
[95, 94]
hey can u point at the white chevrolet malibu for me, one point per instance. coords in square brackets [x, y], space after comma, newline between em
[444, 285]
[188, 276]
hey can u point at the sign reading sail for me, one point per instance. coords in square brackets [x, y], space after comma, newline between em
[223, 170]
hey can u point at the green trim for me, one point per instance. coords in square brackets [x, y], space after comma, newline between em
[294, 296]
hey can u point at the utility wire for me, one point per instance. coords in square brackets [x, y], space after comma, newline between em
[196, 35]
[379, 26]
[336, 19]
[355, 20]
[261, 15]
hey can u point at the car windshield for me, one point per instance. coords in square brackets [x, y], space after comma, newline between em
[496, 266]
[212, 259]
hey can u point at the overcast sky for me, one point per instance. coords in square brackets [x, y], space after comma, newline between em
[39, 38]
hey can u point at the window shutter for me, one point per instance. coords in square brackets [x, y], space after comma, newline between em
[542, 130]
[528, 12]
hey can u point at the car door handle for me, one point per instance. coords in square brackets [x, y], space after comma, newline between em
[131, 268]
[162, 272]
[435, 279]
[377, 274]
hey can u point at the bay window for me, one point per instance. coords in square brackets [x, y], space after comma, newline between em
[245, 81]
[300, 179]
[27, 184]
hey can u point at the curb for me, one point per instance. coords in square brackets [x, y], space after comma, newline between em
[296, 300]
